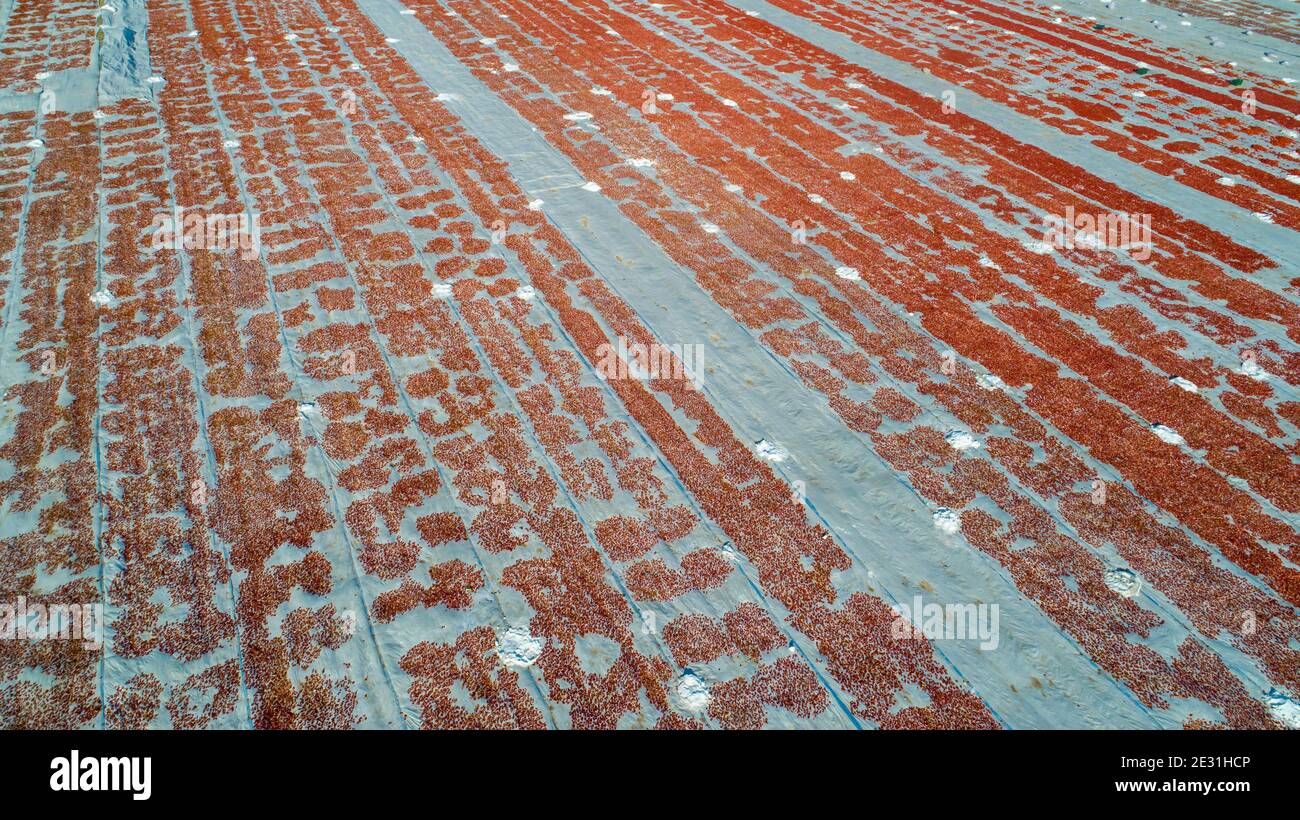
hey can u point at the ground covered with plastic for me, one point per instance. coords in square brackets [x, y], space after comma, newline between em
[610, 363]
